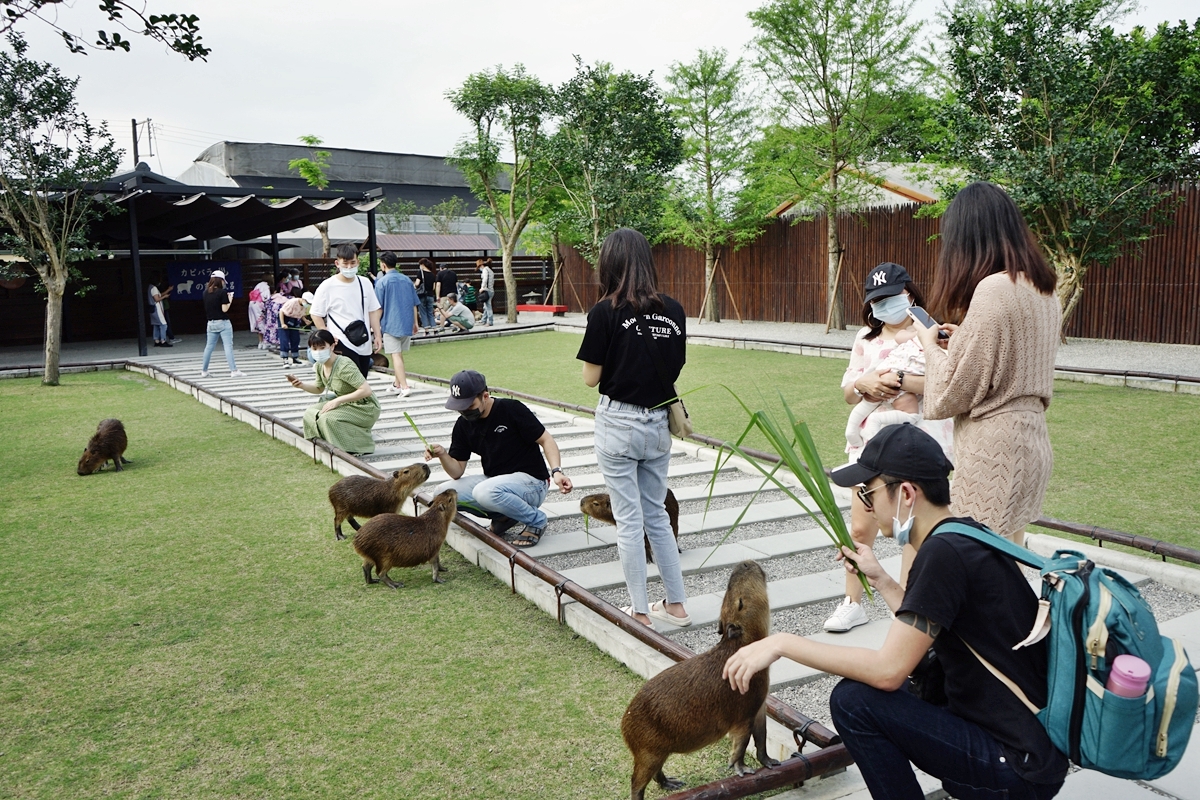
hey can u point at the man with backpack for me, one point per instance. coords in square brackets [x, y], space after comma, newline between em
[966, 601]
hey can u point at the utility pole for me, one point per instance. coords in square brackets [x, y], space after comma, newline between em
[135, 137]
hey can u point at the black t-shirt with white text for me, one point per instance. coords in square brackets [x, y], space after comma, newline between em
[506, 440]
[614, 340]
[213, 302]
[981, 595]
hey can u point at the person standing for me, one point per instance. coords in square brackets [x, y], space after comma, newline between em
[398, 299]
[343, 300]
[447, 283]
[256, 310]
[291, 323]
[487, 288]
[426, 289]
[158, 315]
[633, 445]
[344, 420]
[995, 373]
[217, 300]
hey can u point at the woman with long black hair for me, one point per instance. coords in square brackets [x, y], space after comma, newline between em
[217, 300]
[633, 445]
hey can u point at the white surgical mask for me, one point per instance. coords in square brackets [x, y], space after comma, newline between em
[901, 530]
[322, 355]
[891, 310]
[348, 272]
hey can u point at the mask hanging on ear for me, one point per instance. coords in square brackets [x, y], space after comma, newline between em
[902, 530]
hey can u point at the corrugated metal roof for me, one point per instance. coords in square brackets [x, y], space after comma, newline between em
[421, 242]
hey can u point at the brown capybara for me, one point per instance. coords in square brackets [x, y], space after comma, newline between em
[108, 443]
[394, 540]
[360, 496]
[599, 506]
[690, 705]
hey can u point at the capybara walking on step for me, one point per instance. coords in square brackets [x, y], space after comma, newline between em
[108, 443]
[360, 496]
[393, 540]
[599, 506]
[690, 705]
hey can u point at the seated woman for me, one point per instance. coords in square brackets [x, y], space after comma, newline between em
[346, 420]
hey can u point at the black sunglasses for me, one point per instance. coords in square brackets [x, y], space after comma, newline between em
[864, 493]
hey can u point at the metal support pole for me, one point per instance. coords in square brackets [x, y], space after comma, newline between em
[135, 152]
[274, 260]
[140, 288]
[374, 267]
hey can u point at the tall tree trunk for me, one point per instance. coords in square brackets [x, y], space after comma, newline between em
[711, 311]
[556, 261]
[834, 251]
[510, 280]
[1070, 287]
[323, 229]
[54, 299]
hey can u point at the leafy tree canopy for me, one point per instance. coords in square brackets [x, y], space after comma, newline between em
[180, 32]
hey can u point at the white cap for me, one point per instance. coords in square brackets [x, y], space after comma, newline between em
[308, 297]
[216, 273]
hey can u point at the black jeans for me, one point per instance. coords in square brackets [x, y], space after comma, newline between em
[888, 732]
[362, 362]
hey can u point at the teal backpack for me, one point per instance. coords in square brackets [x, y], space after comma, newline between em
[1090, 615]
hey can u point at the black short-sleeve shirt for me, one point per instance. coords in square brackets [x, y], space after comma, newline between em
[981, 596]
[505, 440]
[614, 340]
[213, 302]
[448, 280]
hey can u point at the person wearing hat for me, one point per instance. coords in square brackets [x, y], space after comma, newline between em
[217, 299]
[506, 435]
[883, 383]
[961, 596]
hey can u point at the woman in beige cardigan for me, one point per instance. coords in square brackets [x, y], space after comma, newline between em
[995, 374]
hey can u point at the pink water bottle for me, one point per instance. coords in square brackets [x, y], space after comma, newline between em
[1129, 676]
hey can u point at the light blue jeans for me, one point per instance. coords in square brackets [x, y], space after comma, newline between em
[160, 331]
[633, 448]
[223, 329]
[487, 318]
[515, 495]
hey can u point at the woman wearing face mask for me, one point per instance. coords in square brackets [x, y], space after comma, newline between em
[884, 383]
[345, 419]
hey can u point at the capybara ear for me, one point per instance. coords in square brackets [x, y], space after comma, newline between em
[733, 631]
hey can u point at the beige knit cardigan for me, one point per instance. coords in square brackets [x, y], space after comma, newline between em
[996, 378]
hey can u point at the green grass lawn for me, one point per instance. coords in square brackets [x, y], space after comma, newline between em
[1123, 458]
[190, 628]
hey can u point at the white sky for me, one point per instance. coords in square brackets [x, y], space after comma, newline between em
[371, 74]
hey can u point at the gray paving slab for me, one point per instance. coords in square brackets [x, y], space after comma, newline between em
[1183, 782]
[789, 543]
[726, 517]
[1088, 784]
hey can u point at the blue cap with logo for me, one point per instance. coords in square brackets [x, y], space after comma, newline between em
[465, 386]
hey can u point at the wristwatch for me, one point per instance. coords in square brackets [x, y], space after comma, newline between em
[900, 375]
[854, 388]
[556, 469]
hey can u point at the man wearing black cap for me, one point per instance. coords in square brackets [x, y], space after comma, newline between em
[506, 435]
[961, 596]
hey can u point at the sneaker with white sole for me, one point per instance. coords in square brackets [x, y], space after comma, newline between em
[405, 392]
[392, 389]
[847, 616]
[204, 374]
[237, 373]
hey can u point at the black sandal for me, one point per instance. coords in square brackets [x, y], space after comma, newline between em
[527, 538]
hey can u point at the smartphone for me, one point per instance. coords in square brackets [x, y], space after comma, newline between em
[926, 321]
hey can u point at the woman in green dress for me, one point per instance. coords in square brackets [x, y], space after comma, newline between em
[346, 420]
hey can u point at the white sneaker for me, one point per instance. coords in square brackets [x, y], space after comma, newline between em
[392, 389]
[237, 373]
[405, 392]
[204, 374]
[848, 615]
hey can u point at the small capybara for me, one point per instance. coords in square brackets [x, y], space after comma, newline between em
[394, 540]
[598, 506]
[690, 705]
[108, 443]
[360, 496]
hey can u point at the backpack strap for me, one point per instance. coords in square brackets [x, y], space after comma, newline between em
[1000, 676]
[994, 541]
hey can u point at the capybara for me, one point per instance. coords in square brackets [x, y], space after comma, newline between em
[598, 506]
[360, 496]
[690, 705]
[394, 540]
[108, 443]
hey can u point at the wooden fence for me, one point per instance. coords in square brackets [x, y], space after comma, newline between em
[1147, 296]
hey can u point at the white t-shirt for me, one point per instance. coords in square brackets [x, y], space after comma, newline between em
[159, 317]
[340, 303]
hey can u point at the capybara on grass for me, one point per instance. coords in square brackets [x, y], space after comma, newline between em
[689, 705]
[394, 540]
[108, 443]
[599, 506]
[360, 496]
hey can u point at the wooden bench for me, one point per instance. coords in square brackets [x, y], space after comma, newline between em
[557, 311]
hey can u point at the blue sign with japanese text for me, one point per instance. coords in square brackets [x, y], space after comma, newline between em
[189, 277]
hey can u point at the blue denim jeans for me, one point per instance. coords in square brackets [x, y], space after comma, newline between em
[219, 329]
[633, 449]
[289, 343]
[888, 732]
[515, 495]
[487, 318]
[160, 331]
[425, 311]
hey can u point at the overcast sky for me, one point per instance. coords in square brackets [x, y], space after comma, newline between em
[372, 74]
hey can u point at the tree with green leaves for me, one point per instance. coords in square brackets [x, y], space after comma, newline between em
[445, 216]
[834, 68]
[613, 153]
[51, 154]
[395, 214]
[312, 169]
[504, 155]
[180, 32]
[705, 208]
[1085, 127]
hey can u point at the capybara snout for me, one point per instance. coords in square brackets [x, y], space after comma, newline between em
[108, 443]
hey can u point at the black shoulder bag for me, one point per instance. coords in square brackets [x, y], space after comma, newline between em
[356, 332]
[678, 421]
